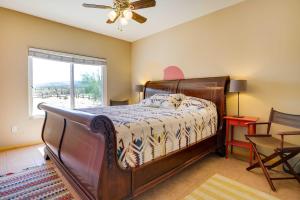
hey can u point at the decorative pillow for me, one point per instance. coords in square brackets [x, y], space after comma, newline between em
[163, 100]
[194, 103]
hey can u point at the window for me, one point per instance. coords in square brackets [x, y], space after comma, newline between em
[65, 80]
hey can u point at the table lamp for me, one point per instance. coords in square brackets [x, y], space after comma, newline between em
[139, 89]
[238, 86]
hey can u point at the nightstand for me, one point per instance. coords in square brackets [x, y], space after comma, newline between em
[232, 122]
[118, 103]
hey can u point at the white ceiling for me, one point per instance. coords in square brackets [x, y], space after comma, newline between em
[166, 14]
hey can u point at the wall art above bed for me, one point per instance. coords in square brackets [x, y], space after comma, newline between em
[173, 73]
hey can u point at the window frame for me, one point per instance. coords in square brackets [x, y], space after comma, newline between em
[72, 88]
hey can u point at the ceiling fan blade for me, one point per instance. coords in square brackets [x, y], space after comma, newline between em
[113, 21]
[96, 6]
[138, 18]
[143, 4]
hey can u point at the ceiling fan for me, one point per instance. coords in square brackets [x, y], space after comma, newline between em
[125, 10]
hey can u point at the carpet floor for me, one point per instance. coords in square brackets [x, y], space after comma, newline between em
[219, 187]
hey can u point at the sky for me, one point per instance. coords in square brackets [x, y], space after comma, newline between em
[46, 71]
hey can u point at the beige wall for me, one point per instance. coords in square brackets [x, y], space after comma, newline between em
[18, 32]
[257, 40]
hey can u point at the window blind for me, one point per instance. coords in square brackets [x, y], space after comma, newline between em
[65, 57]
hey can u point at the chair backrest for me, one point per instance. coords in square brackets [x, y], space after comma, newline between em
[284, 119]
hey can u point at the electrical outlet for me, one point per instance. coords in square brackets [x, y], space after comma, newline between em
[14, 129]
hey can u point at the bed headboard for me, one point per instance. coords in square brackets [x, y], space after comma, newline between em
[212, 89]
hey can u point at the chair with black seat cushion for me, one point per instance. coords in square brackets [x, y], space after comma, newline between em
[118, 103]
[281, 149]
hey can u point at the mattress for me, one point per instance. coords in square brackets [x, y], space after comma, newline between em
[147, 133]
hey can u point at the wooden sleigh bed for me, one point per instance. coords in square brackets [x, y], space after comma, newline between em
[83, 145]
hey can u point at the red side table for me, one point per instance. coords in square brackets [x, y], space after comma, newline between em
[232, 122]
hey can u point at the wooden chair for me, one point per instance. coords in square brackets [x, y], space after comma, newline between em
[282, 149]
[118, 103]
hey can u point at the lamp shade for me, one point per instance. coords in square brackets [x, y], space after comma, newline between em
[139, 88]
[238, 85]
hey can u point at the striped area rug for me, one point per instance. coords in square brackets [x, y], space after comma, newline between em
[219, 187]
[35, 183]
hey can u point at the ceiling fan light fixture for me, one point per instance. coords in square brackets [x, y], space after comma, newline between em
[123, 21]
[127, 13]
[112, 15]
[124, 10]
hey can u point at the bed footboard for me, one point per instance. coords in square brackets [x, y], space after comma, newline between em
[84, 148]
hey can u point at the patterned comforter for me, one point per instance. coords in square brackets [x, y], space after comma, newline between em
[146, 133]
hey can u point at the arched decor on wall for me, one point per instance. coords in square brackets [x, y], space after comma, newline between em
[173, 72]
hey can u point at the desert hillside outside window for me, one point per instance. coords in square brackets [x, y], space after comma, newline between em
[65, 80]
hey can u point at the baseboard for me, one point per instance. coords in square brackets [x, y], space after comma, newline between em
[243, 154]
[7, 148]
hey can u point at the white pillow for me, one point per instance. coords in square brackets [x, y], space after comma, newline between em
[195, 103]
[163, 101]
